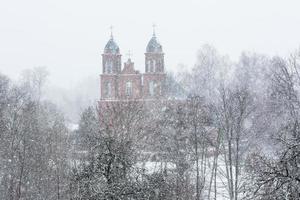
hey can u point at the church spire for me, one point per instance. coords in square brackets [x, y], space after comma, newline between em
[154, 56]
[153, 45]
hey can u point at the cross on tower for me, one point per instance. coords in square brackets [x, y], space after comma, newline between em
[111, 31]
[153, 26]
[129, 54]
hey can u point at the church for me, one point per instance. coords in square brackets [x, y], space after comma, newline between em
[119, 83]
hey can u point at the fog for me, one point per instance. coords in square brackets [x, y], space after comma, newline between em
[68, 37]
[216, 115]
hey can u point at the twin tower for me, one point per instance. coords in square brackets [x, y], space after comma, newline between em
[122, 83]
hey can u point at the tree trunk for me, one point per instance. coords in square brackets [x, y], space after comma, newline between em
[197, 165]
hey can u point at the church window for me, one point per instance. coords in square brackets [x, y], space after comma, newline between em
[108, 67]
[151, 66]
[152, 86]
[154, 66]
[159, 66]
[107, 89]
[148, 65]
[128, 89]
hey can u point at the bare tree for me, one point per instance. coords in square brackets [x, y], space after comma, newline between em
[198, 122]
[111, 171]
[30, 153]
[276, 176]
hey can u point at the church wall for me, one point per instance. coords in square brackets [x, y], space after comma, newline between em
[158, 78]
[136, 80]
[113, 80]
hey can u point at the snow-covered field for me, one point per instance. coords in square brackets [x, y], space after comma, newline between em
[222, 192]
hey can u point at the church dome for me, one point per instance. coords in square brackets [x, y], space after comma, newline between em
[112, 47]
[154, 46]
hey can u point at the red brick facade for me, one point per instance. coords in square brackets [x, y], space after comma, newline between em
[125, 83]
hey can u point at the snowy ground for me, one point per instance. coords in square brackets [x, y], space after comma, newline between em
[222, 193]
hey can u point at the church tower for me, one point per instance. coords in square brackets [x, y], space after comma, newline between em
[119, 83]
[111, 67]
[111, 58]
[154, 77]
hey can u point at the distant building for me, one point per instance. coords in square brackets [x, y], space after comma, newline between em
[125, 83]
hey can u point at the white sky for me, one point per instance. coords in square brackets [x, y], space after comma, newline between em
[68, 36]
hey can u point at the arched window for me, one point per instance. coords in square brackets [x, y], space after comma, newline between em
[154, 66]
[128, 89]
[152, 86]
[148, 65]
[151, 66]
[107, 89]
[108, 67]
[159, 66]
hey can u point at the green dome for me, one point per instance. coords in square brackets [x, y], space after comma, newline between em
[111, 47]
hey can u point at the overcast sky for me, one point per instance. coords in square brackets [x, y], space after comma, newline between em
[68, 36]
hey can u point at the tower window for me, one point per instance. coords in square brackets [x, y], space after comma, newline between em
[151, 66]
[152, 86]
[159, 66]
[128, 89]
[148, 66]
[108, 67]
[154, 66]
[107, 89]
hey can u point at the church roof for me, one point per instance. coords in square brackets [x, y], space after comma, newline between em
[154, 46]
[112, 47]
[129, 68]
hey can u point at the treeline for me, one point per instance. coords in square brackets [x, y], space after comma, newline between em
[226, 130]
[34, 143]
